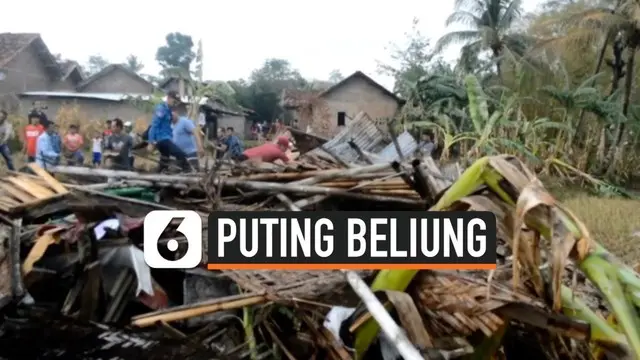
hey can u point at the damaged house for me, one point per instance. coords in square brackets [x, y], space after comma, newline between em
[324, 113]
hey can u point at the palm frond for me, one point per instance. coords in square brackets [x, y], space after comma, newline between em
[456, 37]
[463, 17]
[511, 13]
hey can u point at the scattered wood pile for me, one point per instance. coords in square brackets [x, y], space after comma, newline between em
[77, 244]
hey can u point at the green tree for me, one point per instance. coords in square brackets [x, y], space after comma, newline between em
[265, 86]
[177, 53]
[335, 76]
[617, 25]
[134, 64]
[490, 27]
[95, 64]
[410, 61]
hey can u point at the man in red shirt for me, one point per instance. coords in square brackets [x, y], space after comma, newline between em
[31, 133]
[269, 152]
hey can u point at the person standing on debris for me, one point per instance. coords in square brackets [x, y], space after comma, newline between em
[161, 135]
[269, 152]
[120, 144]
[46, 153]
[233, 146]
[187, 137]
[73, 143]
[6, 131]
[96, 149]
[31, 133]
[426, 145]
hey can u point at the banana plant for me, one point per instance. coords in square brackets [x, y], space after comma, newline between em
[516, 190]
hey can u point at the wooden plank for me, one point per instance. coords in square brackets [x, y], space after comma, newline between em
[35, 185]
[5, 207]
[16, 193]
[29, 186]
[37, 203]
[50, 180]
[7, 199]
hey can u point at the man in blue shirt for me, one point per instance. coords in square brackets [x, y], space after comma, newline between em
[161, 135]
[233, 145]
[186, 136]
[47, 148]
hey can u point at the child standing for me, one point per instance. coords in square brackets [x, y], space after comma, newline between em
[73, 142]
[97, 150]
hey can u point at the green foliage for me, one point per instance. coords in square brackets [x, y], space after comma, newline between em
[95, 64]
[412, 61]
[134, 64]
[335, 76]
[489, 27]
[177, 53]
[265, 85]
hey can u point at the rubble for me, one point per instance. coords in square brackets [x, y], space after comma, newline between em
[73, 257]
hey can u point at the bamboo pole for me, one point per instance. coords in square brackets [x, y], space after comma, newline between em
[317, 190]
[341, 173]
[16, 263]
[394, 333]
[123, 174]
[294, 176]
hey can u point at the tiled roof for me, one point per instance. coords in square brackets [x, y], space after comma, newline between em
[12, 44]
[68, 66]
[292, 98]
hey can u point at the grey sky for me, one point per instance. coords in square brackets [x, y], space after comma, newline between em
[237, 36]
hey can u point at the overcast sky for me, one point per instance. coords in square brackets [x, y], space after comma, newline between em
[316, 37]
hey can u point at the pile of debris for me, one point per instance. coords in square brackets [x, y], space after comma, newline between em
[75, 263]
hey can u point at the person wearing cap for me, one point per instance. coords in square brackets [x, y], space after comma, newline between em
[269, 152]
[46, 153]
[160, 134]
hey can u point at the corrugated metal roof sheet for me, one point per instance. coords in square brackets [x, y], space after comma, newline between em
[408, 146]
[362, 131]
[115, 97]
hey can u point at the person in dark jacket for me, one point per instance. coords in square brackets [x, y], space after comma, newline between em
[160, 135]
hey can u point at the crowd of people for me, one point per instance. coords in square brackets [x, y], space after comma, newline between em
[171, 134]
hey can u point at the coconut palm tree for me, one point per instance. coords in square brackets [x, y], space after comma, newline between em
[490, 27]
[623, 20]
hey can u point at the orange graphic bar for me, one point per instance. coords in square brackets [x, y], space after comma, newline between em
[253, 266]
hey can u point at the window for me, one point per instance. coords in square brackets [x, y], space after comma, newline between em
[342, 118]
